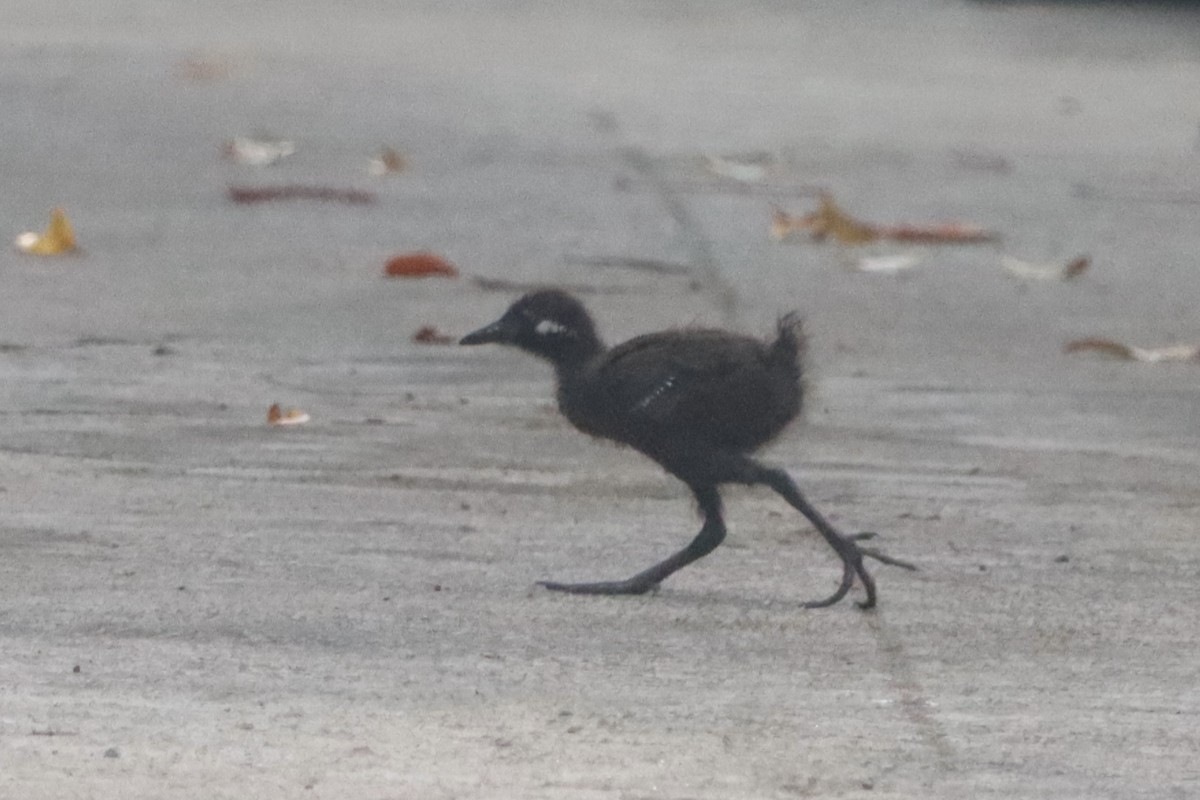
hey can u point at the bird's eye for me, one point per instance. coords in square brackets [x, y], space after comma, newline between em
[548, 326]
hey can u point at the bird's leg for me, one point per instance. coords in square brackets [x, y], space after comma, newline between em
[846, 546]
[710, 536]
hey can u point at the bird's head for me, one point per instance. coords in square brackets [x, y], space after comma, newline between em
[548, 323]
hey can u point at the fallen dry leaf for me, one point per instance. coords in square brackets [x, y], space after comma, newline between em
[1029, 271]
[247, 195]
[742, 170]
[428, 334]
[887, 264]
[293, 416]
[831, 220]
[828, 220]
[939, 233]
[387, 162]
[261, 152]
[58, 239]
[419, 265]
[1178, 352]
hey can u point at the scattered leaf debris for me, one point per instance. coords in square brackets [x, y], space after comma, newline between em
[258, 151]
[1155, 355]
[248, 195]
[1029, 271]
[428, 334]
[419, 265]
[388, 162]
[292, 416]
[58, 239]
[829, 220]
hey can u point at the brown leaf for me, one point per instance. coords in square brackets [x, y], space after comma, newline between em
[939, 233]
[58, 239]
[293, 416]
[428, 334]
[387, 162]
[831, 220]
[247, 195]
[1076, 267]
[419, 265]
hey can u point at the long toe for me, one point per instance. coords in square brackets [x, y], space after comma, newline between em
[883, 558]
[843, 588]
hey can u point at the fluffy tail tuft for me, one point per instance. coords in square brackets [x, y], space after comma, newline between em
[789, 347]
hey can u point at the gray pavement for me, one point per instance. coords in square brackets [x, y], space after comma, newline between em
[195, 605]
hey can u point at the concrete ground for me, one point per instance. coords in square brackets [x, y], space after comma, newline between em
[195, 605]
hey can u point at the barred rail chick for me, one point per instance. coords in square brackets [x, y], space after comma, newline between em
[697, 402]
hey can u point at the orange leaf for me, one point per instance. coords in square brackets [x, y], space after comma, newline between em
[59, 238]
[419, 265]
[293, 416]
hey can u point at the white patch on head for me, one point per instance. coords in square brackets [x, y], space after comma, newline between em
[548, 326]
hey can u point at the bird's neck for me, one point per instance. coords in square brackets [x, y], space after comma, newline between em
[571, 357]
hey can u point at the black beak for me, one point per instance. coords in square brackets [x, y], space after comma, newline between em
[502, 331]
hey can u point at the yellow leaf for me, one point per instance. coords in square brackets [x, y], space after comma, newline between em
[842, 226]
[58, 238]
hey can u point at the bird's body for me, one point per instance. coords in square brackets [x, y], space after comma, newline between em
[687, 390]
[698, 402]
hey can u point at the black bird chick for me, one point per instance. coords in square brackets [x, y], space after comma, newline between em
[698, 402]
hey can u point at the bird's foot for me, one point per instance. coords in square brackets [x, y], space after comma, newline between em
[630, 586]
[852, 564]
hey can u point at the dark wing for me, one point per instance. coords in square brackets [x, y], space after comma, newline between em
[708, 386]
